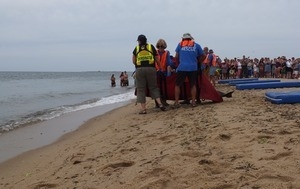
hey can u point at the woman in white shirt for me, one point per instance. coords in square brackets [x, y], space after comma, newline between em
[289, 69]
[239, 68]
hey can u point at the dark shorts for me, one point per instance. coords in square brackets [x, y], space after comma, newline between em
[289, 69]
[182, 75]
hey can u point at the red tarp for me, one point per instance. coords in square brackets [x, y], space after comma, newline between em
[207, 90]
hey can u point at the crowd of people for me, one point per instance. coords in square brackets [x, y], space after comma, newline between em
[279, 67]
[191, 60]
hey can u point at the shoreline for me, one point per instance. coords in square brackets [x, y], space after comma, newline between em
[243, 142]
[30, 137]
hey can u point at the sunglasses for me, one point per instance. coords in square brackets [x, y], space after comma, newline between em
[160, 47]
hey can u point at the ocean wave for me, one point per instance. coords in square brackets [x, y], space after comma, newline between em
[51, 113]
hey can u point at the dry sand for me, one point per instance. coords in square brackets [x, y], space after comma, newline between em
[244, 142]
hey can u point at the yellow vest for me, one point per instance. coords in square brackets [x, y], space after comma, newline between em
[144, 55]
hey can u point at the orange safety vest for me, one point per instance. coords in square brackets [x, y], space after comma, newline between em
[214, 60]
[163, 61]
[189, 43]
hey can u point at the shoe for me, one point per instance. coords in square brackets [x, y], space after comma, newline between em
[156, 104]
[165, 103]
[175, 105]
[185, 102]
[194, 104]
[162, 107]
[143, 112]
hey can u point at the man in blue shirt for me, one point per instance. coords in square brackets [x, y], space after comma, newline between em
[190, 56]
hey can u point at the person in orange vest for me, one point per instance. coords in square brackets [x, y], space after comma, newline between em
[204, 65]
[166, 65]
[212, 63]
[166, 62]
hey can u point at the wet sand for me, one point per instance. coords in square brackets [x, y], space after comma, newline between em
[34, 136]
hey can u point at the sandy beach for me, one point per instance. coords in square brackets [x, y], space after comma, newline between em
[244, 142]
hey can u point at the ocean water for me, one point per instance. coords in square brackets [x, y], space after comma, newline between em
[31, 97]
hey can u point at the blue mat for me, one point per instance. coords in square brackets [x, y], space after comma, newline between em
[290, 97]
[233, 83]
[267, 85]
[230, 80]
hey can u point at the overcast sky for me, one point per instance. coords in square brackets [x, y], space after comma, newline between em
[93, 35]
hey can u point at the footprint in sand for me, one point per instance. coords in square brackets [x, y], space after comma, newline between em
[168, 138]
[119, 164]
[278, 156]
[277, 177]
[44, 185]
[225, 137]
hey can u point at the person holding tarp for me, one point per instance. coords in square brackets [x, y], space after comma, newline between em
[188, 53]
[166, 66]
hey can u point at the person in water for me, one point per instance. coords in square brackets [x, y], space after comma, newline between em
[125, 79]
[113, 80]
[122, 79]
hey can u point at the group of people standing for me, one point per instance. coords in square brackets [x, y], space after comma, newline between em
[265, 67]
[280, 67]
[123, 79]
[189, 60]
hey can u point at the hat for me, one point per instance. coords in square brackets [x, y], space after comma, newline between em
[211, 51]
[141, 38]
[187, 36]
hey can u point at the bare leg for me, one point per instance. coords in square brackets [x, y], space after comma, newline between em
[213, 81]
[177, 92]
[158, 101]
[193, 94]
[160, 105]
